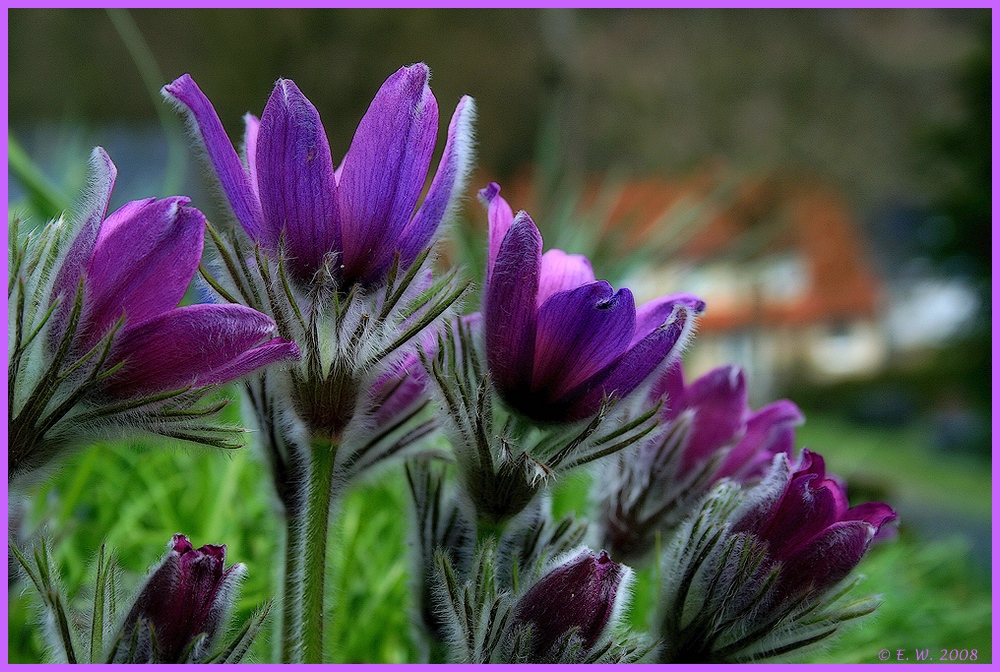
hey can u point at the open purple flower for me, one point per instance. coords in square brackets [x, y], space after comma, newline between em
[720, 419]
[559, 342]
[580, 597]
[364, 212]
[808, 527]
[189, 594]
[708, 433]
[136, 264]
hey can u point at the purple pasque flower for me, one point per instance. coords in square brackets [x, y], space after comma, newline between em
[716, 406]
[363, 213]
[752, 574]
[579, 597]
[708, 433]
[135, 265]
[809, 528]
[188, 595]
[558, 342]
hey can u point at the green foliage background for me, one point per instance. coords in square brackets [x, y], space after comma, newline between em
[135, 496]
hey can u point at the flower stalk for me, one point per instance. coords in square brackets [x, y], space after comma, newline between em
[315, 531]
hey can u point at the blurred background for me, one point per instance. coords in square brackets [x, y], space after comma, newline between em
[820, 177]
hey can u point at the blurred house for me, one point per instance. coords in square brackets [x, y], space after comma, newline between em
[778, 259]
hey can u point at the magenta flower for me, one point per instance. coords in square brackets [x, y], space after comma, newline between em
[708, 433]
[189, 594]
[136, 264]
[362, 213]
[810, 529]
[557, 340]
[754, 573]
[720, 418]
[578, 597]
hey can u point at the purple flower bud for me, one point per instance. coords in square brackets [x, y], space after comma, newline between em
[364, 212]
[721, 419]
[752, 574]
[188, 595]
[709, 433]
[809, 528]
[399, 389]
[137, 263]
[558, 342]
[580, 596]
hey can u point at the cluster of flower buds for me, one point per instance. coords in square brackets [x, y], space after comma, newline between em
[328, 274]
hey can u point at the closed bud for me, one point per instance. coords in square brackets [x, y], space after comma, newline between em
[182, 608]
[579, 599]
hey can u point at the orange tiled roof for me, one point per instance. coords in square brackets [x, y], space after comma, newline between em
[779, 212]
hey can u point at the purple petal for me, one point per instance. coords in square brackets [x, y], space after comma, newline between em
[500, 218]
[102, 180]
[878, 515]
[827, 559]
[399, 389]
[579, 333]
[233, 177]
[250, 136]
[384, 170]
[770, 431]
[653, 314]
[198, 345]
[298, 192]
[561, 272]
[447, 187]
[810, 505]
[268, 352]
[144, 258]
[509, 307]
[719, 402]
[659, 348]
[669, 386]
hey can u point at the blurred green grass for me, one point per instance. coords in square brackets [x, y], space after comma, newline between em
[136, 496]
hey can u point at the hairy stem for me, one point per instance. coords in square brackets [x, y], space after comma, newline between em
[314, 537]
[291, 598]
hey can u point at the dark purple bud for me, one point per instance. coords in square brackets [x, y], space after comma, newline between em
[579, 596]
[809, 527]
[189, 594]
